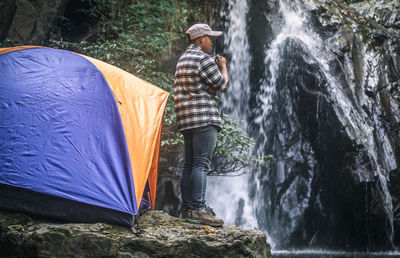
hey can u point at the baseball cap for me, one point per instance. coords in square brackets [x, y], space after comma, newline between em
[199, 30]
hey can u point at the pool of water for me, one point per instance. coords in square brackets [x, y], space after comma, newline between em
[331, 254]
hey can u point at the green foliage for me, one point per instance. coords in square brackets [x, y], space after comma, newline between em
[133, 35]
[148, 27]
[9, 43]
[233, 151]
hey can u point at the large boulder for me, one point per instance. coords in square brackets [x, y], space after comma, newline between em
[324, 101]
[387, 13]
[30, 21]
[7, 10]
[162, 236]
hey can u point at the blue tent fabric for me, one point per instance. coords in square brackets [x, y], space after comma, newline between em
[60, 130]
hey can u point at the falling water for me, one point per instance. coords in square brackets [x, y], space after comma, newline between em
[294, 26]
[230, 196]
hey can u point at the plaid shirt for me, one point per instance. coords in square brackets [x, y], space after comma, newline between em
[196, 72]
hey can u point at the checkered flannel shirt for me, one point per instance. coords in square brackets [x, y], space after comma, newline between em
[196, 72]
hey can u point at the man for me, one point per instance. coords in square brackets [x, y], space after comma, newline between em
[197, 79]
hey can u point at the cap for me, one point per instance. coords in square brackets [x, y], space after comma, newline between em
[199, 30]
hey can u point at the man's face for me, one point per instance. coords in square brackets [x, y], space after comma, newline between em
[206, 44]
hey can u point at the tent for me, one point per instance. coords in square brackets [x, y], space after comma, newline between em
[79, 138]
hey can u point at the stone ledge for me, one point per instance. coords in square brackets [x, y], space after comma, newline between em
[162, 236]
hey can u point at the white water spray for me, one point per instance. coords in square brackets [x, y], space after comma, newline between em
[294, 26]
[230, 195]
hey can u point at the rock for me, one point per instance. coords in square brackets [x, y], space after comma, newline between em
[23, 23]
[324, 101]
[387, 13]
[7, 10]
[168, 194]
[33, 20]
[168, 186]
[162, 236]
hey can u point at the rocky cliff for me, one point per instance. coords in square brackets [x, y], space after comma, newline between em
[162, 236]
[323, 98]
[29, 21]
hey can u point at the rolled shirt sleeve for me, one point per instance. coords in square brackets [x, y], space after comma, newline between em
[210, 73]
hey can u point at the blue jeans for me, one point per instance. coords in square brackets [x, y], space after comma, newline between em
[199, 146]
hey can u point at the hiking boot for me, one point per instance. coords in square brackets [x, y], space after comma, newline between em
[209, 210]
[186, 214]
[204, 217]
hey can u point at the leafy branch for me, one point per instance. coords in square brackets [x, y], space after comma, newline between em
[133, 35]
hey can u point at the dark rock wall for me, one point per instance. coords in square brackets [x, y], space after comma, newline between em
[7, 11]
[333, 124]
[29, 22]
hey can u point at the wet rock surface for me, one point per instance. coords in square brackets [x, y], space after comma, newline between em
[162, 236]
[28, 21]
[327, 107]
[386, 13]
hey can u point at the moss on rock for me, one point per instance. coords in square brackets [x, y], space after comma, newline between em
[162, 236]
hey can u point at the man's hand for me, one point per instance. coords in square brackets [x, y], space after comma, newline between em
[221, 61]
[211, 91]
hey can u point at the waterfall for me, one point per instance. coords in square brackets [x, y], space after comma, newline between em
[282, 197]
[229, 195]
[295, 26]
